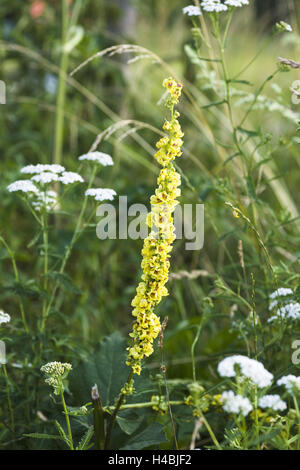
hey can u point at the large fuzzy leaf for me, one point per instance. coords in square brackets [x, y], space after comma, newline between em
[105, 367]
[152, 435]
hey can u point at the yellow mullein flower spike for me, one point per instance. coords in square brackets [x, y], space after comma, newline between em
[158, 245]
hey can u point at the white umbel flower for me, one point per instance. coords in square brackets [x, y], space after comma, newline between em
[56, 369]
[99, 157]
[55, 373]
[290, 311]
[101, 194]
[22, 185]
[236, 3]
[191, 10]
[40, 168]
[45, 177]
[213, 6]
[250, 368]
[236, 403]
[45, 200]
[70, 177]
[4, 317]
[290, 382]
[281, 292]
[272, 401]
[287, 309]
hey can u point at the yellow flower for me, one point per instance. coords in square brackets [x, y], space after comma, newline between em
[158, 245]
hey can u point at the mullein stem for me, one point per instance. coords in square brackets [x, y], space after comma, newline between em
[115, 412]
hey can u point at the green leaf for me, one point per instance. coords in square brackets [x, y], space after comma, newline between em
[242, 82]
[106, 368]
[194, 58]
[251, 187]
[61, 432]
[248, 132]
[36, 435]
[28, 289]
[85, 440]
[65, 281]
[152, 435]
[213, 103]
[231, 157]
[129, 421]
[265, 437]
[34, 240]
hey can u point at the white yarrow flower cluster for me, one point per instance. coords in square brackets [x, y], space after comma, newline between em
[39, 168]
[249, 368]
[101, 194]
[272, 401]
[56, 368]
[70, 177]
[45, 177]
[192, 10]
[287, 309]
[213, 6]
[25, 186]
[99, 157]
[236, 403]
[4, 317]
[291, 310]
[236, 3]
[41, 176]
[55, 373]
[281, 292]
[290, 382]
[45, 200]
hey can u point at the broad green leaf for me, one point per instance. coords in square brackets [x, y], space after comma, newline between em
[106, 368]
[152, 435]
[129, 421]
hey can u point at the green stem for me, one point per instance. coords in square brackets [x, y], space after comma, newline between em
[16, 274]
[193, 349]
[264, 45]
[256, 417]
[61, 94]
[79, 222]
[227, 28]
[46, 263]
[114, 415]
[67, 420]
[298, 416]
[69, 248]
[257, 94]
[10, 407]
[146, 404]
[210, 431]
